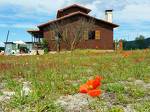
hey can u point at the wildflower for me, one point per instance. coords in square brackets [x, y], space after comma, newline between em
[90, 87]
[126, 54]
[84, 88]
[94, 92]
[93, 84]
[138, 60]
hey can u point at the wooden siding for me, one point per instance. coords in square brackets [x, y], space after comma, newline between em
[103, 38]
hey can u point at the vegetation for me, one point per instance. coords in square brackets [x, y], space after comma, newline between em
[45, 45]
[2, 49]
[139, 43]
[55, 75]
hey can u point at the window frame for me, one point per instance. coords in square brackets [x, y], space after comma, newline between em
[92, 35]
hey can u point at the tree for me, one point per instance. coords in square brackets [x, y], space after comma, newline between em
[140, 42]
[45, 45]
[124, 44]
[71, 34]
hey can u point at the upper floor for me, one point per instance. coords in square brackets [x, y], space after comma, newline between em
[72, 9]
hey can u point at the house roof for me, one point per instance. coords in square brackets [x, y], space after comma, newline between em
[61, 11]
[77, 13]
[74, 5]
[14, 43]
[33, 30]
[8, 42]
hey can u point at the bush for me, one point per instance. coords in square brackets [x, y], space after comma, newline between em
[45, 45]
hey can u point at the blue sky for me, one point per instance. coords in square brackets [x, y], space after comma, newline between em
[133, 16]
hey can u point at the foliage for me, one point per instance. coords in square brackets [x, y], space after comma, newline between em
[143, 108]
[139, 43]
[115, 87]
[24, 49]
[116, 109]
[2, 49]
[45, 45]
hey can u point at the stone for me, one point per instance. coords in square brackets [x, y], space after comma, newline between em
[75, 103]
[2, 85]
[1, 110]
[6, 96]
[147, 86]
[26, 90]
[128, 108]
[139, 82]
[6, 93]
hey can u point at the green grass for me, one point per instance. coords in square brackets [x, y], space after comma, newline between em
[115, 87]
[54, 75]
[115, 109]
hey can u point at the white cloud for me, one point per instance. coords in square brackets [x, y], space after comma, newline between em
[23, 25]
[134, 13]
[128, 10]
[29, 6]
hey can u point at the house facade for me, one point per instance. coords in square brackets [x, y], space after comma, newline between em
[99, 37]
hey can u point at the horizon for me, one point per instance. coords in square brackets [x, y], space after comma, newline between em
[19, 16]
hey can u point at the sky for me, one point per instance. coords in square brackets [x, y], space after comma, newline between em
[18, 16]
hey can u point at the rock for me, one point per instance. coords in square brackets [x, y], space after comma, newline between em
[26, 90]
[1, 110]
[139, 82]
[75, 103]
[2, 53]
[2, 85]
[6, 96]
[129, 109]
[147, 86]
[109, 97]
[6, 93]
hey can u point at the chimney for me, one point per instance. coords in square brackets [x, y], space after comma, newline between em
[109, 15]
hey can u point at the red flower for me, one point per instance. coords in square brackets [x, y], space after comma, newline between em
[94, 93]
[84, 88]
[91, 87]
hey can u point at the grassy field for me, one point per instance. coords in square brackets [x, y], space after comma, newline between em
[55, 75]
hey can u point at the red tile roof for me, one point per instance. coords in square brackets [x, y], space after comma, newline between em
[77, 13]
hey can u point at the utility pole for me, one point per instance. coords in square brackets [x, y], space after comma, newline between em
[6, 39]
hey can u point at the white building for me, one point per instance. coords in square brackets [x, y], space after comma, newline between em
[14, 47]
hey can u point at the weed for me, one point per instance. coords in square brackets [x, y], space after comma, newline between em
[116, 109]
[115, 88]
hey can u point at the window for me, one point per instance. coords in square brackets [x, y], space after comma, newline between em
[91, 35]
[97, 34]
[85, 35]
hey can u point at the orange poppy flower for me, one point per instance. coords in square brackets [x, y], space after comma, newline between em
[93, 84]
[91, 87]
[84, 88]
[94, 93]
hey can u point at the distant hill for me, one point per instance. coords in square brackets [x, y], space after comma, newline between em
[142, 44]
